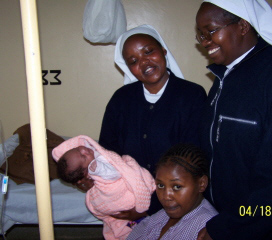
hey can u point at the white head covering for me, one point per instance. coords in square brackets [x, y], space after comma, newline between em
[149, 30]
[257, 12]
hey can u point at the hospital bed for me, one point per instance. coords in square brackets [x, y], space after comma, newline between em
[18, 205]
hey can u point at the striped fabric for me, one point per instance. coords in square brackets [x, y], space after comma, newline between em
[186, 229]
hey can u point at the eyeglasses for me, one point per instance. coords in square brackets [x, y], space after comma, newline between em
[200, 37]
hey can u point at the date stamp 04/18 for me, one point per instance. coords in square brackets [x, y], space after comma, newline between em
[251, 211]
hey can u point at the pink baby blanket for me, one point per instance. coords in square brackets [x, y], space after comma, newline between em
[108, 197]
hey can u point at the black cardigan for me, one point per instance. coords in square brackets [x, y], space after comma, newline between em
[237, 132]
[133, 126]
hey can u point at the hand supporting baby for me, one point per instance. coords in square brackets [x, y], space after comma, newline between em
[85, 184]
[131, 215]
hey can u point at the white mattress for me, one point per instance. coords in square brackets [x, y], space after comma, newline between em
[68, 205]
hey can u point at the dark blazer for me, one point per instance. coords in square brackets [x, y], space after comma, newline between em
[133, 126]
[237, 134]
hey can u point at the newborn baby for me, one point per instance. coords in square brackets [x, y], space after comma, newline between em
[120, 183]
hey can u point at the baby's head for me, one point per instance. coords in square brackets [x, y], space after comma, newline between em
[181, 179]
[73, 165]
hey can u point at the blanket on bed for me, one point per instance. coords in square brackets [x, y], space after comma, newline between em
[20, 163]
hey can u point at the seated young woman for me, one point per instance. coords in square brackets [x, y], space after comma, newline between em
[181, 178]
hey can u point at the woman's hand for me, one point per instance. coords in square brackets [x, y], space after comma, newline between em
[203, 235]
[131, 215]
[85, 184]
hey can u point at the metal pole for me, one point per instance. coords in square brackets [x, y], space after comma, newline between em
[37, 117]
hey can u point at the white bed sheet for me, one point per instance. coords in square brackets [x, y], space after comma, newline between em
[68, 205]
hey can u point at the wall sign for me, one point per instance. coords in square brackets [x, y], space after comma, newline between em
[47, 78]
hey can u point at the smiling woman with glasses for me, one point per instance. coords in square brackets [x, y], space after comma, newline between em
[236, 124]
[200, 37]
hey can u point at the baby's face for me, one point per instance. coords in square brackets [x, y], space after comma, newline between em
[79, 157]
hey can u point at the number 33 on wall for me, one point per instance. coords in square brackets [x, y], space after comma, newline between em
[56, 81]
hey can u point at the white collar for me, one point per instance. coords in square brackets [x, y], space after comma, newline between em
[239, 59]
[153, 98]
[236, 61]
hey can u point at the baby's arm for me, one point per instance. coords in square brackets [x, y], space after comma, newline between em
[93, 165]
[102, 168]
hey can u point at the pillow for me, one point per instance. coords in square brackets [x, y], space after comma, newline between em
[20, 163]
[10, 144]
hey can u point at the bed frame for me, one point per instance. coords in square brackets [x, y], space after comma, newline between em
[19, 206]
